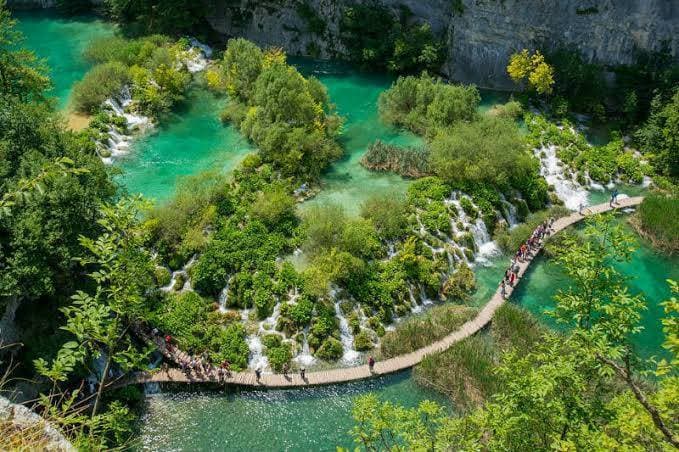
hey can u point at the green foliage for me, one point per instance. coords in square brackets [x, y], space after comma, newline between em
[100, 83]
[153, 16]
[658, 136]
[287, 116]
[330, 350]
[278, 352]
[658, 218]
[375, 38]
[423, 104]
[22, 75]
[407, 162]
[389, 215]
[488, 152]
[363, 342]
[460, 285]
[418, 331]
[151, 65]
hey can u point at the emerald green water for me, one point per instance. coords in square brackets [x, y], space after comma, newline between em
[647, 272]
[189, 141]
[61, 41]
[316, 419]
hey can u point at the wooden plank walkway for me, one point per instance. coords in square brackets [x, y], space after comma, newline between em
[391, 365]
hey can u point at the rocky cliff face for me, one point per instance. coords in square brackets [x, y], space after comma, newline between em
[481, 34]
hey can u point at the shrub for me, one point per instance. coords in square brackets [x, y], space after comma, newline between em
[424, 104]
[331, 350]
[362, 342]
[388, 213]
[163, 276]
[102, 82]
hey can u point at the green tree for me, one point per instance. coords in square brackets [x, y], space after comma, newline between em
[532, 68]
[100, 321]
[22, 75]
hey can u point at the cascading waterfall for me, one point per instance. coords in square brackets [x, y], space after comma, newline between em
[349, 355]
[182, 272]
[552, 169]
[151, 387]
[254, 341]
[485, 247]
[509, 212]
[117, 144]
[305, 358]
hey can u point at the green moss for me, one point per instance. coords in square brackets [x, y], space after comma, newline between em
[163, 276]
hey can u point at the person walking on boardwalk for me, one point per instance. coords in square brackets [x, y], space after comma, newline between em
[580, 207]
[371, 363]
[302, 373]
[512, 278]
[286, 368]
[258, 373]
[614, 197]
[503, 290]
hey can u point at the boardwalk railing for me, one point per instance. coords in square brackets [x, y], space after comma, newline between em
[387, 366]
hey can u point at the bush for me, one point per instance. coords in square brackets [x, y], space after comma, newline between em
[419, 331]
[362, 342]
[424, 104]
[100, 83]
[388, 213]
[163, 276]
[330, 350]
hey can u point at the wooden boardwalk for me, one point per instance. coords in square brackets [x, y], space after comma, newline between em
[387, 366]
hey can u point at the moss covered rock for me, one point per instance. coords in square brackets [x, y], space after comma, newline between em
[330, 350]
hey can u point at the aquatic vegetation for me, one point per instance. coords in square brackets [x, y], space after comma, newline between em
[658, 219]
[421, 330]
[407, 162]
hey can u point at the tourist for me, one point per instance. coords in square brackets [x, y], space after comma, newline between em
[503, 290]
[508, 274]
[614, 197]
[258, 373]
[302, 373]
[512, 279]
[580, 207]
[286, 368]
[371, 363]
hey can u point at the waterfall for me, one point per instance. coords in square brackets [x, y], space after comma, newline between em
[485, 247]
[153, 388]
[350, 355]
[552, 169]
[254, 341]
[510, 212]
[223, 298]
[117, 144]
[196, 57]
[182, 272]
[305, 358]
[257, 359]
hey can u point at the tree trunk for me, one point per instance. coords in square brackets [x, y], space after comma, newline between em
[641, 397]
[102, 383]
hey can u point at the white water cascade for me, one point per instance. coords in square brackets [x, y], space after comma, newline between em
[196, 58]
[184, 273]
[485, 247]
[349, 355]
[552, 169]
[254, 341]
[305, 358]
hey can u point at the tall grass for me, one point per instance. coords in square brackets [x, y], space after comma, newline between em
[100, 83]
[658, 219]
[407, 162]
[466, 371]
[419, 331]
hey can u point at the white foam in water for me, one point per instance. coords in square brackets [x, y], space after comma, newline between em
[552, 169]
[305, 358]
[197, 56]
[350, 355]
[183, 272]
[257, 358]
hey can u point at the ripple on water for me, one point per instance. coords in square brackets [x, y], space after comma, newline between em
[316, 418]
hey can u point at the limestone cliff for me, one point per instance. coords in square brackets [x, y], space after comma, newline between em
[481, 34]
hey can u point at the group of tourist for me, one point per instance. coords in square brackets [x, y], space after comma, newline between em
[525, 252]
